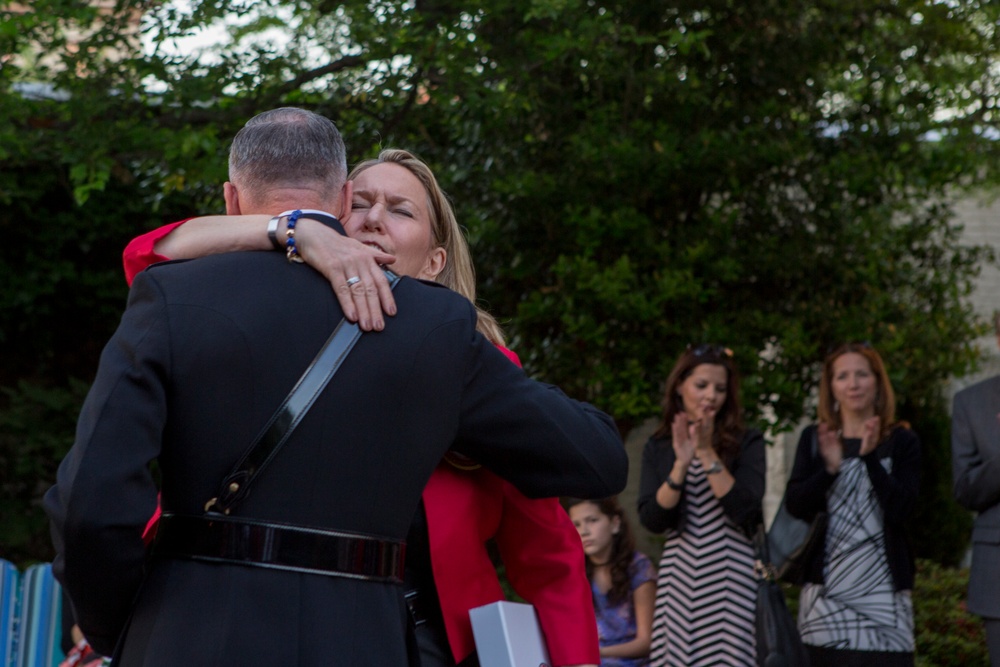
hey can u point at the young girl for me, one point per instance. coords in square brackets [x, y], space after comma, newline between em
[622, 579]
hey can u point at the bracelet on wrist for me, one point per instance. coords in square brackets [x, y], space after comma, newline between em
[714, 468]
[290, 250]
[323, 217]
[674, 485]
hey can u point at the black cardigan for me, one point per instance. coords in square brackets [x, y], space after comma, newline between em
[896, 493]
[742, 504]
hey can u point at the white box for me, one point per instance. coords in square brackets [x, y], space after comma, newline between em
[508, 635]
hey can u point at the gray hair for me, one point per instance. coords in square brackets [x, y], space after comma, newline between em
[288, 147]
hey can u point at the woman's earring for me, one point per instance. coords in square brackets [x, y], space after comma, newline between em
[836, 406]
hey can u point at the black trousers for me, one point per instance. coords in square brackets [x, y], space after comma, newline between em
[432, 643]
[992, 626]
[826, 657]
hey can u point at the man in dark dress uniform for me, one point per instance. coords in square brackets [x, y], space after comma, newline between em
[206, 351]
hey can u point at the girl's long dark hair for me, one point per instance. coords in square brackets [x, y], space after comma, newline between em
[729, 428]
[622, 548]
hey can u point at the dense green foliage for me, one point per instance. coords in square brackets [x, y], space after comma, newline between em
[947, 634]
[777, 176]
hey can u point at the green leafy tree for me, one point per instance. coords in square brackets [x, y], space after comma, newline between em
[634, 177]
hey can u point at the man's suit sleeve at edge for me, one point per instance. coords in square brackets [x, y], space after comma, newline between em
[976, 477]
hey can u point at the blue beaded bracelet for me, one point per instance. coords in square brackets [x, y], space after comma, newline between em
[290, 250]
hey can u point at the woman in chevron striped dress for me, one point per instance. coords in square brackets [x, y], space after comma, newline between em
[855, 607]
[702, 484]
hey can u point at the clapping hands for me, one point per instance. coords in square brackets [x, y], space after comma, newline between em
[683, 439]
[692, 437]
[870, 435]
[832, 449]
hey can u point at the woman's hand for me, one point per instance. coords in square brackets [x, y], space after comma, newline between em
[701, 434]
[340, 259]
[669, 493]
[870, 435]
[830, 448]
[684, 438]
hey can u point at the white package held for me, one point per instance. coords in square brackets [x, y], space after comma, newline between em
[508, 635]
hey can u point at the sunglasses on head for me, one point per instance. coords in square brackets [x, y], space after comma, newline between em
[710, 350]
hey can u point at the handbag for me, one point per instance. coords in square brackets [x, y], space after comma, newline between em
[778, 640]
[792, 542]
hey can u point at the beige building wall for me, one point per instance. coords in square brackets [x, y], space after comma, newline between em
[981, 219]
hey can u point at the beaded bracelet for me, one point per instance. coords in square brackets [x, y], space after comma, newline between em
[290, 250]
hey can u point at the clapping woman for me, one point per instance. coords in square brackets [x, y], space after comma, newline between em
[861, 467]
[702, 484]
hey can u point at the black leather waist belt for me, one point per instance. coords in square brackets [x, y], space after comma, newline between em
[226, 539]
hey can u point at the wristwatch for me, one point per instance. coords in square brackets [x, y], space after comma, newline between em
[714, 468]
[272, 232]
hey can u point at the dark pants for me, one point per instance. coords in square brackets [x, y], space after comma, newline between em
[992, 626]
[434, 649]
[827, 657]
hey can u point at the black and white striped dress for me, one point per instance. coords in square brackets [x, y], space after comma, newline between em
[706, 590]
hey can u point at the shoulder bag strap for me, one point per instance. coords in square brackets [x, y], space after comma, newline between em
[236, 485]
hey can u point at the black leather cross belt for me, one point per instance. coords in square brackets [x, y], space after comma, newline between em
[417, 607]
[228, 539]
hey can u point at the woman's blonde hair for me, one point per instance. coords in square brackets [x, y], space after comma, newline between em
[458, 274]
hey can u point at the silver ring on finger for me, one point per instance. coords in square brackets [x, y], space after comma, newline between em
[353, 280]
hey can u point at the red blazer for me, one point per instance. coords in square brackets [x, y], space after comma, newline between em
[541, 549]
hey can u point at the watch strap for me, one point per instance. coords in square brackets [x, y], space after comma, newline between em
[272, 232]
